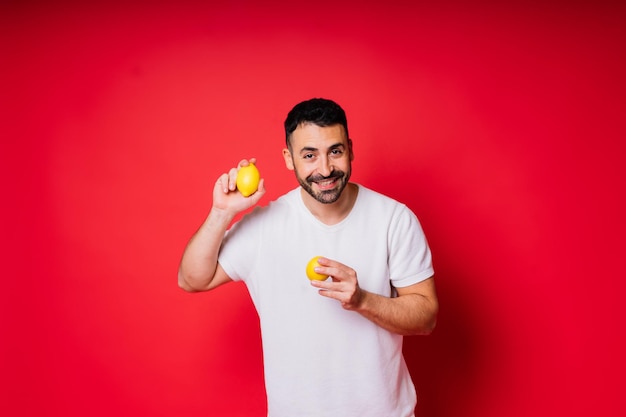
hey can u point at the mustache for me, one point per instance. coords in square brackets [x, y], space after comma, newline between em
[333, 175]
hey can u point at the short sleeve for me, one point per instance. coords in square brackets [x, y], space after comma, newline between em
[410, 259]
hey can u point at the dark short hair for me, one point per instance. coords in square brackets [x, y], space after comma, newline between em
[319, 111]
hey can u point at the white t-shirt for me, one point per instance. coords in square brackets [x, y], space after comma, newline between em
[321, 360]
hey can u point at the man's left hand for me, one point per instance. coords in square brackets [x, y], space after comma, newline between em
[343, 285]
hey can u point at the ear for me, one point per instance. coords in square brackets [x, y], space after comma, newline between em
[288, 159]
[350, 149]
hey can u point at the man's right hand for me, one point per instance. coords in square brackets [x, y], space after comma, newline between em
[228, 199]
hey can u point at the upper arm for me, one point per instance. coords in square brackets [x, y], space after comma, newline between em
[427, 297]
[219, 278]
[425, 288]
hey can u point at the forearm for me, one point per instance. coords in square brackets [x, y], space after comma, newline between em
[199, 262]
[410, 314]
[413, 311]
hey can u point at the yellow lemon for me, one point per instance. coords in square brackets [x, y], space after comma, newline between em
[310, 270]
[248, 180]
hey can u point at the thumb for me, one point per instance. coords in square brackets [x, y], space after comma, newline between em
[260, 192]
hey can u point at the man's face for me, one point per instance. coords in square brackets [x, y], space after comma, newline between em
[321, 158]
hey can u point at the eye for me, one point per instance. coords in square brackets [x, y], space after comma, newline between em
[336, 152]
[307, 156]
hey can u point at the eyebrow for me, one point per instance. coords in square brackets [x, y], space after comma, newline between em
[312, 149]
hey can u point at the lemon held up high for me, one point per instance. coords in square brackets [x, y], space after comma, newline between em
[310, 270]
[248, 179]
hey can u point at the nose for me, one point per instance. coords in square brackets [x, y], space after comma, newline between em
[325, 167]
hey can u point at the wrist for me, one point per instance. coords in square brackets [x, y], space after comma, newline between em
[363, 301]
[219, 216]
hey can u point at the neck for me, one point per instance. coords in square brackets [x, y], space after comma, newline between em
[335, 212]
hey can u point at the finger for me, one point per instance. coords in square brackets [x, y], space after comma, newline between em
[246, 162]
[258, 194]
[348, 297]
[222, 183]
[328, 294]
[322, 285]
[324, 261]
[337, 274]
[260, 189]
[336, 295]
[333, 289]
[232, 179]
[327, 262]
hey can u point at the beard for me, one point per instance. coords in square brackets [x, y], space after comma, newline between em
[325, 196]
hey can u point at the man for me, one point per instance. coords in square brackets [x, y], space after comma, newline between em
[331, 348]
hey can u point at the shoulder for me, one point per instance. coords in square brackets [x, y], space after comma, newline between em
[370, 198]
[385, 209]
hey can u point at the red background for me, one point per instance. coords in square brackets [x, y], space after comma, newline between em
[502, 127]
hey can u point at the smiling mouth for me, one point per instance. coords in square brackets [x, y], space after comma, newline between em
[326, 184]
